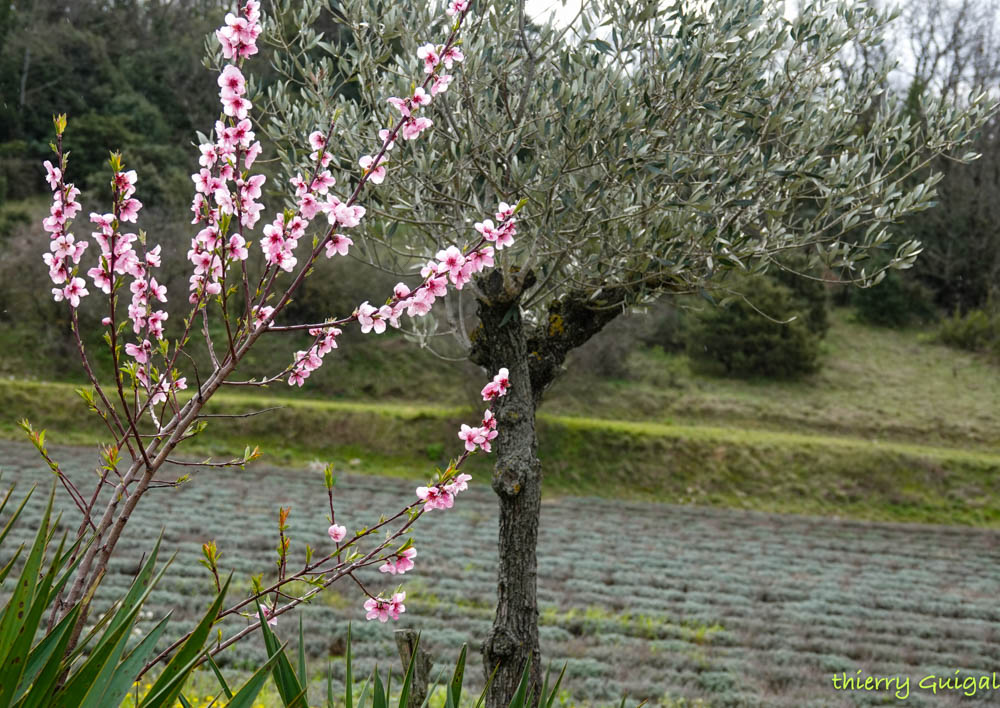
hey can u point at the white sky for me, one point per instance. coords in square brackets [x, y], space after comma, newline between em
[540, 10]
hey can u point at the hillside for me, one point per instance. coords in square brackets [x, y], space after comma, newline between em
[892, 428]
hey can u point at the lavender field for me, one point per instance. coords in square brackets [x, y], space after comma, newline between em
[678, 605]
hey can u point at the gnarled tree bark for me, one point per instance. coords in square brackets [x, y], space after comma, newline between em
[533, 357]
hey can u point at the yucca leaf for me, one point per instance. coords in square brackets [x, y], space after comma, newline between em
[185, 703]
[124, 674]
[520, 698]
[348, 675]
[363, 700]
[183, 661]
[486, 688]
[555, 689]
[303, 679]
[218, 675]
[40, 680]
[248, 692]
[17, 512]
[378, 699]
[457, 678]
[141, 586]
[5, 571]
[166, 694]
[87, 684]
[288, 684]
[19, 610]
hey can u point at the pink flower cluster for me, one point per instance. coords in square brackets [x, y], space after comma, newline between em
[226, 161]
[481, 436]
[308, 361]
[64, 251]
[503, 234]
[497, 387]
[399, 563]
[383, 610]
[239, 36]
[442, 496]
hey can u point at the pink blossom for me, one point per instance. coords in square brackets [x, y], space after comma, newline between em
[297, 377]
[54, 174]
[453, 260]
[285, 260]
[505, 234]
[441, 84]
[160, 291]
[252, 153]
[236, 106]
[338, 243]
[459, 484]
[323, 181]
[260, 314]
[383, 135]
[438, 287]
[101, 278]
[400, 104]
[383, 610]
[74, 290]
[375, 174]
[396, 606]
[504, 211]
[236, 249]
[317, 140]
[346, 216]
[231, 81]
[486, 228]
[413, 127]
[435, 498]
[370, 318]
[471, 436]
[421, 97]
[208, 155]
[456, 7]
[452, 54]
[139, 352]
[125, 183]
[420, 304]
[481, 259]
[337, 533]
[272, 621]
[309, 205]
[498, 386]
[401, 291]
[429, 53]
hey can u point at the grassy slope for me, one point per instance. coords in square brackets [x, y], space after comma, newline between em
[876, 384]
[877, 435]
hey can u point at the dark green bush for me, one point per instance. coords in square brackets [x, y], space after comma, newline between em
[975, 331]
[737, 340]
[898, 301]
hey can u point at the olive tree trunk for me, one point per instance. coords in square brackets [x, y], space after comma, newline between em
[533, 356]
[513, 640]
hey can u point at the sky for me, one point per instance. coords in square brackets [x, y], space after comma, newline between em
[540, 10]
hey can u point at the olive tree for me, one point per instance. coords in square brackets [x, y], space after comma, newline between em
[652, 147]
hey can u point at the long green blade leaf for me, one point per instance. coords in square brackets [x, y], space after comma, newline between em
[184, 660]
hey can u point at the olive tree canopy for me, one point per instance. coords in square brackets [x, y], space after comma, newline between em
[654, 147]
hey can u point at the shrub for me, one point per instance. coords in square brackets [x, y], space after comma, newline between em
[737, 340]
[897, 301]
[975, 331]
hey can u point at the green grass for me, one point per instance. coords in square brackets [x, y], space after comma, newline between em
[765, 470]
[875, 384]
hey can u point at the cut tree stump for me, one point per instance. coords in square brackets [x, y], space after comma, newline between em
[406, 640]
